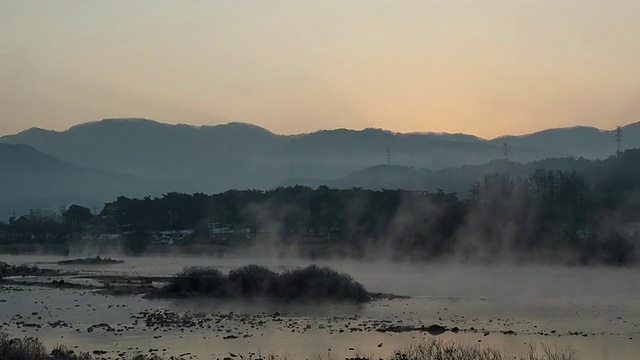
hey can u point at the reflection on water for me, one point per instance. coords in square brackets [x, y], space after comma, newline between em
[600, 302]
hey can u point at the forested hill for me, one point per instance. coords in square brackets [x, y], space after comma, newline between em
[460, 179]
[547, 215]
[32, 179]
[244, 156]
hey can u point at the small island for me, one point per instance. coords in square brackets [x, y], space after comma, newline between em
[91, 261]
[310, 283]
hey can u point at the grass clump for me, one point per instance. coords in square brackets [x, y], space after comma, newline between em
[319, 283]
[198, 281]
[438, 350]
[310, 283]
[29, 348]
[251, 280]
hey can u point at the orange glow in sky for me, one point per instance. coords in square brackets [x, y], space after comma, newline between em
[482, 67]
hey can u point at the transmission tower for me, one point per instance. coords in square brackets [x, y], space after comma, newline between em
[618, 137]
[388, 155]
[505, 150]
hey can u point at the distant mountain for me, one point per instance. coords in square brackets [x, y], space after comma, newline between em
[32, 179]
[209, 158]
[456, 180]
[386, 177]
[217, 158]
[579, 141]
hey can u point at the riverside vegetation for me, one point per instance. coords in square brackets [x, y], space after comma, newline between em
[310, 283]
[576, 217]
[30, 348]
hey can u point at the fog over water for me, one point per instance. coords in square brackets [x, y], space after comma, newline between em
[395, 171]
[403, 278]
[599, 302]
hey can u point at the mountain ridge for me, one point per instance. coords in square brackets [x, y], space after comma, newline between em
[250, 125]
[236, 155]
[32, 179]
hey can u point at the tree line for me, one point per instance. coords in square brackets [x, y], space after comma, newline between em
[551, 215]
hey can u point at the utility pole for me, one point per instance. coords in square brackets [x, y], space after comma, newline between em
[618, 137]
[388, 155]
[505, 150]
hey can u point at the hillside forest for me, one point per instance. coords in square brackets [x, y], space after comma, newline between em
[550, 216]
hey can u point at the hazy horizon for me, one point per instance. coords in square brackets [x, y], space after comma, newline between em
[320, 179]
[484, 68]
[300, 133]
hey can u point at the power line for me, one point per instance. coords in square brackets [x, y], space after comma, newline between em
[618, 137]
[505, 150]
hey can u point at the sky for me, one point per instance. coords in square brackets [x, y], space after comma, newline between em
[483, 67]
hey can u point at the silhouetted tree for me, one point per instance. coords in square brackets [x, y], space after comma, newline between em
[76, 218]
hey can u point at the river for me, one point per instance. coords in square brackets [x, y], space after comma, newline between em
[593, 310]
